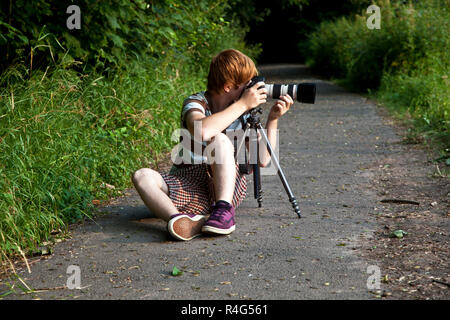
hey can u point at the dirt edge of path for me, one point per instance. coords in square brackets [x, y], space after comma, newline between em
[415, 266]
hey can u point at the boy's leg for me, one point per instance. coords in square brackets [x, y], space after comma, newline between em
[223, 168]
[221, 220]
[154, 192]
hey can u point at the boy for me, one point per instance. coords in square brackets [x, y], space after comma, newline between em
[190, 191]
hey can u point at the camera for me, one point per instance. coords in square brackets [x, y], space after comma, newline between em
[302, 92]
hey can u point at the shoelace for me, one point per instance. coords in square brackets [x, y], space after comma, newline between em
[219, 214]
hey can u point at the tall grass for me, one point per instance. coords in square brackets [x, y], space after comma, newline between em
[405, 64]
[65, 136]
[421, 86]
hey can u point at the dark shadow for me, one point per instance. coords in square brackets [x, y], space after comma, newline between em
[128, 222]
[285, 70]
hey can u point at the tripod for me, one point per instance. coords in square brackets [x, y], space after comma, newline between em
[254, 124]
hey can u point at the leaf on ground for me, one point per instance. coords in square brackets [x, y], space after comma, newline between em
[176, 272]
[398, 234]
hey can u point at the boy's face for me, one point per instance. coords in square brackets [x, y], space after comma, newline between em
[235, 93]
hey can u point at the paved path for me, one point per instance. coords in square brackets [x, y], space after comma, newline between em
[325, 150]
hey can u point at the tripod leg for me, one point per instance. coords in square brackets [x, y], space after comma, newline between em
[238, 149]
[292, 199]
[254, 151]
[257, 184]
[257, 172]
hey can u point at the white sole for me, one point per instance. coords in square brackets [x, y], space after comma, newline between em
[209, 229]
[177, 236]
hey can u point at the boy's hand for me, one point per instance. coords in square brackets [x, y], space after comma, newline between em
[253, 97]
[280, 107]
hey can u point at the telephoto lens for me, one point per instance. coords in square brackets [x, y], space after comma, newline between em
[302, 92]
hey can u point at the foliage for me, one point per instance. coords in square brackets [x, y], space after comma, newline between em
[406, 61]
[112, 32]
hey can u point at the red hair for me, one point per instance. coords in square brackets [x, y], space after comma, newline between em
[230, 66]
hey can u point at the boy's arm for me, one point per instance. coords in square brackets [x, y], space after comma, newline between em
[278, 109]
[217, 122]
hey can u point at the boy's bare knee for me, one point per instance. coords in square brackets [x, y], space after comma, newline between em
[148, 179]
[220, 150]
[222, 141]
[142, 174]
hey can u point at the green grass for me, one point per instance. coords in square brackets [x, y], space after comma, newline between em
[64, 135]
[422, 102]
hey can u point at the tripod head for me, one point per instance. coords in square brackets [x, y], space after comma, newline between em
[254, 117]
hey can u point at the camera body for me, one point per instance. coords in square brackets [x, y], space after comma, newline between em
[302, 92]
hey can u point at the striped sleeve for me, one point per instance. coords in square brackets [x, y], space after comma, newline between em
[191, 106]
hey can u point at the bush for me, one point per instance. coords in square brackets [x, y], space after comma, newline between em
[406, 62]
[113, 32]
[424, 97]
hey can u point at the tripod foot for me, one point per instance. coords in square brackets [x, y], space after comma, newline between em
[295, 206]
[259, 199]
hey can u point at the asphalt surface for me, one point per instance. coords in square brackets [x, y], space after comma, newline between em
[325, 149]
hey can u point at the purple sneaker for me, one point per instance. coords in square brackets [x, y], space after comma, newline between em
[183, 226]
[221, 220]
